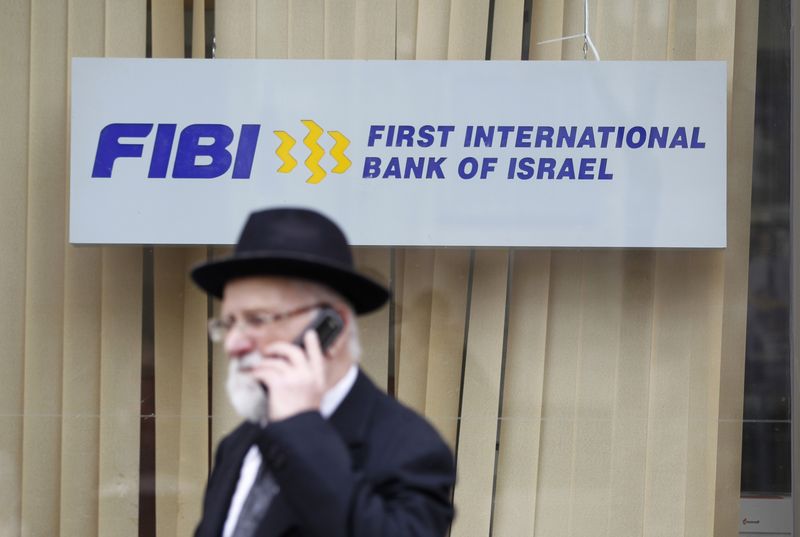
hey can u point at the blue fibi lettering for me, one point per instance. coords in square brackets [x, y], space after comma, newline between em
[109, 148]
[202, 151]
[162, 147]
[189, 148]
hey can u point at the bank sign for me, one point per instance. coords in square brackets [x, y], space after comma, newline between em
[426, 153]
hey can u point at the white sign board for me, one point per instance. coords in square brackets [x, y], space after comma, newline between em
[424, 153]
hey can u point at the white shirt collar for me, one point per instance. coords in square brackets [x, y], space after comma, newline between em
[334, 397]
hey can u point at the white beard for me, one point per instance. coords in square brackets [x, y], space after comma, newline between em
[245, 393]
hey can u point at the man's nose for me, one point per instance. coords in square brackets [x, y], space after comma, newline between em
[238, 343]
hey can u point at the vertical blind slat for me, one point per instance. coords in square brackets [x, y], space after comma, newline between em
[374, 328]
[433, 23]
[82, 298]
[121, 331]
[168, 339]
[223, 417]
[703, 388]
[406, 38]
[547, 22]
[629, 457]
[600, 323]
[375, 30]
[340, 29]
[167, 28]
[651, 30]
[446, 340]
[44, 292]
[613, 30]
[235, 29]
[682, 30]
[416, 305]
[121, 359]
[307, 29]
[468, 30]
[477, 435]
[667, 435]
[742, 75]
[507, 30]
[556, 442]
[398, 286]
[272, 29]
[15, 25]
[193, 458]
[520, 423]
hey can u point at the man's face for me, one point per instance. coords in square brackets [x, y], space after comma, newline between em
[246, 301]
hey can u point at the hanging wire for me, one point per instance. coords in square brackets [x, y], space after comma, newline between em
[588, 44]
[587, 39]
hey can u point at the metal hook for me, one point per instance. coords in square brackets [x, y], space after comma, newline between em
[587, 39]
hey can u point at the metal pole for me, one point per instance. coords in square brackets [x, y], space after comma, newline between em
[794, 340]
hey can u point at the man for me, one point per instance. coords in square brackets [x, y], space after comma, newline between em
[323, 452]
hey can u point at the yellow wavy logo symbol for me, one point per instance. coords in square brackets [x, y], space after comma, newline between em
[283, 152]
[311, 141]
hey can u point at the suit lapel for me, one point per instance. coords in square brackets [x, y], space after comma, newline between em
[350, 420]
[219, 497]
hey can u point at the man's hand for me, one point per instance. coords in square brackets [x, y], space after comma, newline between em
[295, 380]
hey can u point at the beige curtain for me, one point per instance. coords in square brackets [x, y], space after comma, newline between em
[593, 392]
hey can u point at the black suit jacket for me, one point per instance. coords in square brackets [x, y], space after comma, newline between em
[374, 469]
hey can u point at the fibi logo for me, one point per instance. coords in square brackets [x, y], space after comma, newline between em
[311, 141]
[211, 143]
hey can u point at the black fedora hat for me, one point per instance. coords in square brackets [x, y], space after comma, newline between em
[294, 242]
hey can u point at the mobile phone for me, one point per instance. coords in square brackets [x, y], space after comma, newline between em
[327, 324]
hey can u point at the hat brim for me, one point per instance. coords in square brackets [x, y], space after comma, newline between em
[364, 294]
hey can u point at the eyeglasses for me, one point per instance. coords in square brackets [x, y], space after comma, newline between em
[251, 323]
